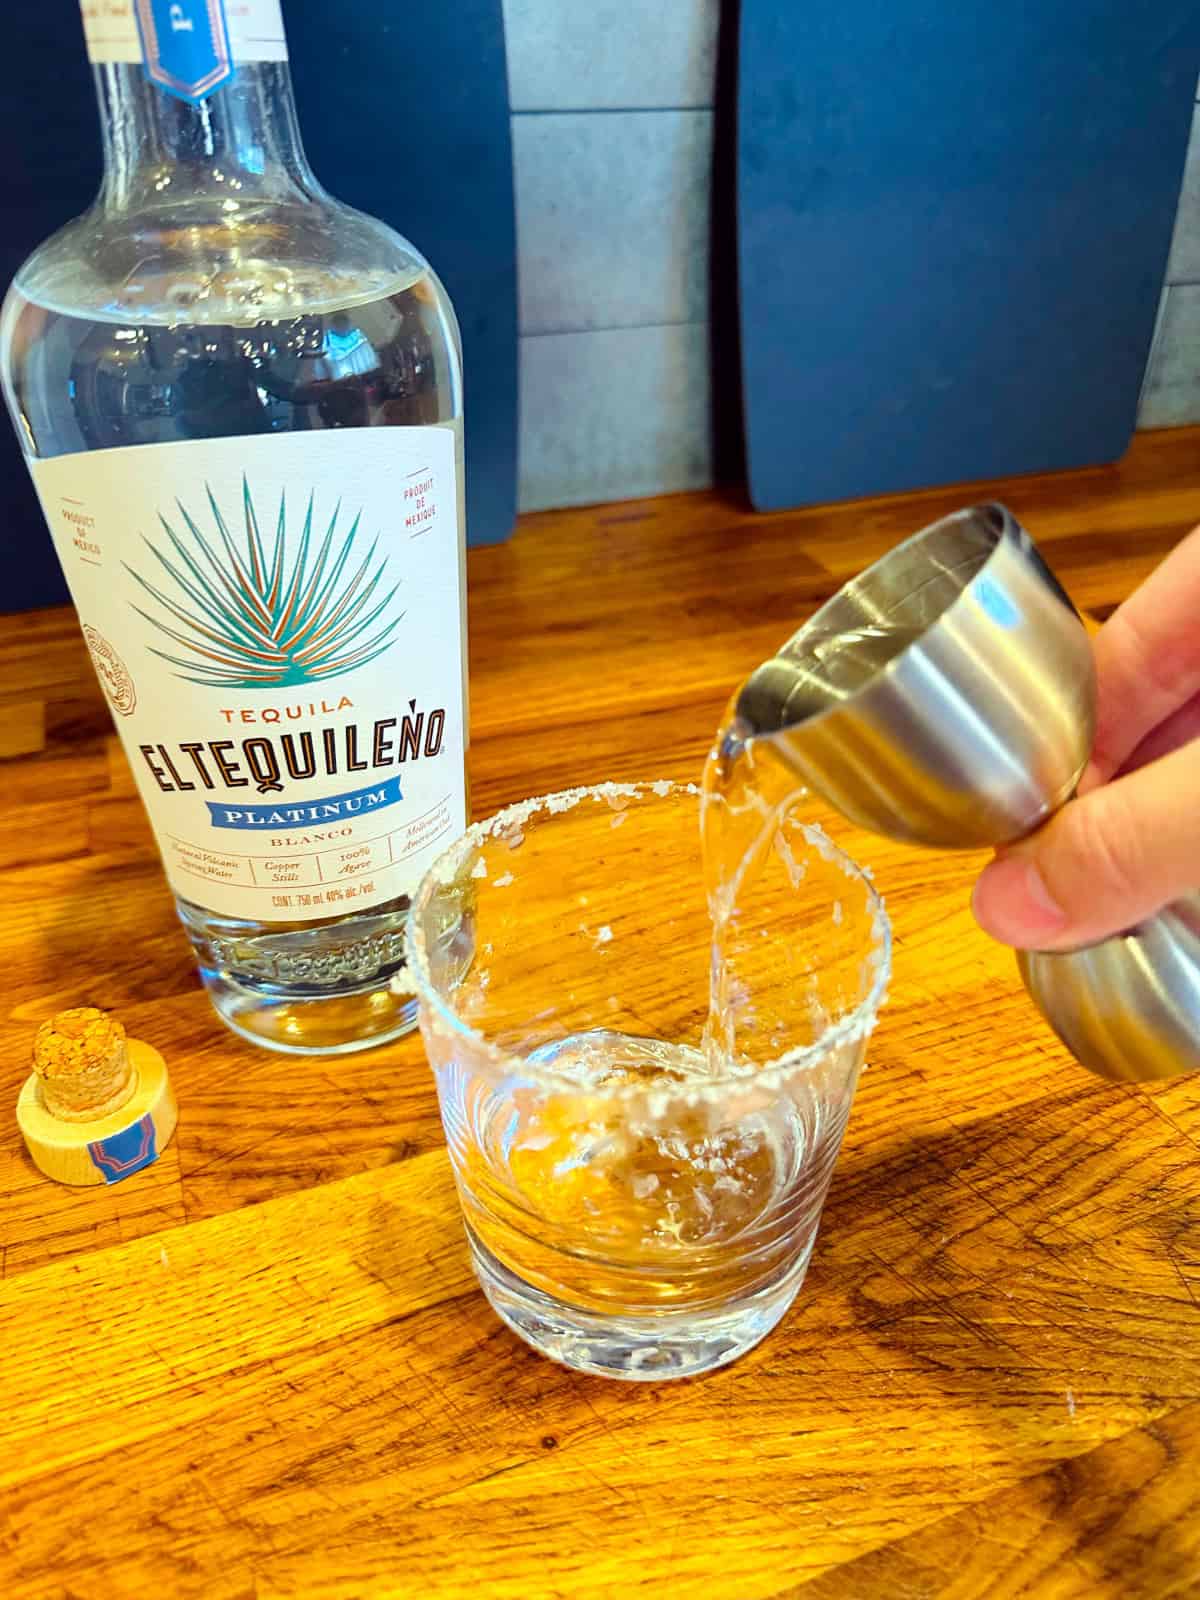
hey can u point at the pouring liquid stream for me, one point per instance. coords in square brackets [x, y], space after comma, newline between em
[746, 791]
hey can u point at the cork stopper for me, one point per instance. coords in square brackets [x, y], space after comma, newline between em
[82, 1065]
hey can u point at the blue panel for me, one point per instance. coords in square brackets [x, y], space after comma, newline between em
[405, 114]
[953, 226]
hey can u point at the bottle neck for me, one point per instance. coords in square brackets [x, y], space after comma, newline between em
[241, 144]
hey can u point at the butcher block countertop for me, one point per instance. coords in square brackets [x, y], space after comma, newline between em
[261, 1367]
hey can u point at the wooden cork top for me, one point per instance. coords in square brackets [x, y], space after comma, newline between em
[83, 1065]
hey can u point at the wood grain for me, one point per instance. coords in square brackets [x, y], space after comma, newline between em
[259, 1368]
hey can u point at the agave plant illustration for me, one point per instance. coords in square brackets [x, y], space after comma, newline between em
[248, 620]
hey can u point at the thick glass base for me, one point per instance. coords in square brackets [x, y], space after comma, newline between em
[645, 1348]
[311, 1025]
[308, 989]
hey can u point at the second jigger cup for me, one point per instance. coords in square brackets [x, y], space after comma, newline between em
[947, 697]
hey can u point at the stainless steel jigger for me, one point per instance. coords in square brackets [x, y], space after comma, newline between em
[947, 697]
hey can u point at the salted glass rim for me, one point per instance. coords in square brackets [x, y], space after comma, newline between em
[853, 1026]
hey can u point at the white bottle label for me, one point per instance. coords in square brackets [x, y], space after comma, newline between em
[277, 624]
[255, 29]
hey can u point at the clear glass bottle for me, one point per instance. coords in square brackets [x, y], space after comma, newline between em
[241, 402]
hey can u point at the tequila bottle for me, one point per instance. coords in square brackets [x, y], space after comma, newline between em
[241, 404]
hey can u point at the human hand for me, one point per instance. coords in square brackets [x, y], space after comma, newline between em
[1130, 842]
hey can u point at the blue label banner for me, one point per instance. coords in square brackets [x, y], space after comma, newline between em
[291, 814]
[185, 46]
[125, 1152]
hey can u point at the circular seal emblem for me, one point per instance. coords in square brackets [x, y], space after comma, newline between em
[112, 672]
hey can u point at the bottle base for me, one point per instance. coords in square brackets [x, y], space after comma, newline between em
[312, 1025]
[635, 1348]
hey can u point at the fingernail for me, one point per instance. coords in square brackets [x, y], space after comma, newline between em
[1012, 903]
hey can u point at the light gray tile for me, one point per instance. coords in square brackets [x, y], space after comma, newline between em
[613, 415]
[1183, 264]
[1146, 375]
[1171, 392]
[612, 218]
[567, 55]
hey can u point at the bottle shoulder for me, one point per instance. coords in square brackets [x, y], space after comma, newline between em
[222, 260]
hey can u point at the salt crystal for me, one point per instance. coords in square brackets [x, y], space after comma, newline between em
[503, 883]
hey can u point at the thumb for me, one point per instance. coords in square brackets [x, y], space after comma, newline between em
[1102, 863]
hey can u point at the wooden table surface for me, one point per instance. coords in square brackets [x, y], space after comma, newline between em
[261, 1368]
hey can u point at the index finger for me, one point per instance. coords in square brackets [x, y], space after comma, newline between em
[1148, 657]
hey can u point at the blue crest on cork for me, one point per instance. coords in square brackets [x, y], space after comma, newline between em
[129, 1151]
[185, 46]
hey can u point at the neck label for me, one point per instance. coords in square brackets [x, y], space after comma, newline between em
[189, 48]
[185, 46]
